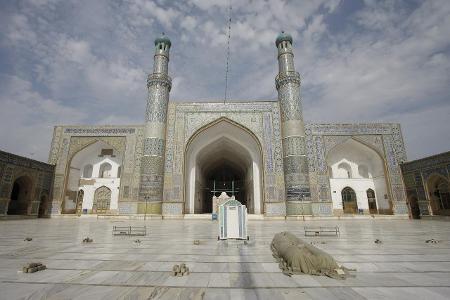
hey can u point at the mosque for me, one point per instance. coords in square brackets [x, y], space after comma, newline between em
[261, 152]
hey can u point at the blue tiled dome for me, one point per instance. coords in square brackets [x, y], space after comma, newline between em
[283, 37]
[163, 39]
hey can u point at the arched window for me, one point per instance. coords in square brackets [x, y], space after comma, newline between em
[87, 171]
[372, 201]
[345, 169]
[349, 203]
[119, 171]
[363, 171]
[105, 170]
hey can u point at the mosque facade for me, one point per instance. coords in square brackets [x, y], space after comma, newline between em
[261, 152]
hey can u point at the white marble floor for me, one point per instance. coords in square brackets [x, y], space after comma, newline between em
[114, 267]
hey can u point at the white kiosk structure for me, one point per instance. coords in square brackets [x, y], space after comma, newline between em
[233, 220]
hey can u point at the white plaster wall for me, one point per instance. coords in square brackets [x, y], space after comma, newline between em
[256, 189]
[354, 154]
[339, 171]
[96, 162]
[381, 192]
[89, 191]
[90, 155]
[113, 183]
[360, 186]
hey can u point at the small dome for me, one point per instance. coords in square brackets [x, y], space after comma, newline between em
[163, 39]
[283, 37]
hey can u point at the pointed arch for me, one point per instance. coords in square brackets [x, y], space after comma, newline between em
[222, 119]
[105, 170]
[438, 187]
[366, 169]
[79, 166]
[220, 145]
[102, 200]
[21, 196]
[346, 170]
[349, 201]
[371, 198]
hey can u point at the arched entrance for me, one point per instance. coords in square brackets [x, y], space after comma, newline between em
[372, 201]
[20, 196]
[102, 200]
[439, 192]
[349, 203]
[414, 207]
[223, 157]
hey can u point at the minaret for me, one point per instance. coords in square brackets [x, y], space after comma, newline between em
[292, 128]
[152, 165]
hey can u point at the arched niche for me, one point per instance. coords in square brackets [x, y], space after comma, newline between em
[344, 170]
[105, 170]
[358, 166]
[439, 194]
[20, 197]
[223, 152]
[94, 166]
[349, 201]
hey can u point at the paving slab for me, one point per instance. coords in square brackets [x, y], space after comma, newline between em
[403, 266]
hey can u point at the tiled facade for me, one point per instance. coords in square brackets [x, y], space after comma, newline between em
[420, 177]
[294, 172]
[261, 118]
[39, 179]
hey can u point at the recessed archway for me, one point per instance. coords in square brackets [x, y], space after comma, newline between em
[223, 156]
[372, 201]
[358, 166]
[20, 196]
[439, 194]
[94, 166]
[349, 203]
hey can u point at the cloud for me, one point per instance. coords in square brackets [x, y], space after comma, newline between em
[377, 61]
[28, 119]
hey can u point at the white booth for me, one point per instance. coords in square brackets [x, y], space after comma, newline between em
[232, 220]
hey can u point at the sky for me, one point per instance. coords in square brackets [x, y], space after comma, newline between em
[86, 61]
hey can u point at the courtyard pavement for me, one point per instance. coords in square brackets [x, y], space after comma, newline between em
[115, 267]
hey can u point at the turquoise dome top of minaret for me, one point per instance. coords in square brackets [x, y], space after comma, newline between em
[163, 39]
[283, 37]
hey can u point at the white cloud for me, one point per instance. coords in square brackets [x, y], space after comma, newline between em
[189, 23]
[28, 118]
[389, 62]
